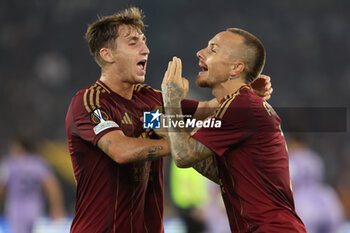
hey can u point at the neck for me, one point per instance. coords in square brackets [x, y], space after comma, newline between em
[115, 83]
[228, 87]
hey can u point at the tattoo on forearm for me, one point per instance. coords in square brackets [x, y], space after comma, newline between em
[186, 151]
[172, 94]
[178, 147]
[208, 169]
[149, 153]
[189, 151]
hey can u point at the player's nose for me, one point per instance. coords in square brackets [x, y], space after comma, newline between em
[200, 54]
[144, 49]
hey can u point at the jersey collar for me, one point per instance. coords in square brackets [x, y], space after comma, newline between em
[235, 93]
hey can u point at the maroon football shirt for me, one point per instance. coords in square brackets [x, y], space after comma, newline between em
[114, 197]
[252, 160]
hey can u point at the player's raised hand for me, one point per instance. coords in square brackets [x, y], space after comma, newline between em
[174, 86]
[174, 72]
[262, 86]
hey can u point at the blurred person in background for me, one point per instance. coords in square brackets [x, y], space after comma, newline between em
[316, 202]
[23, 178]
[189, 193]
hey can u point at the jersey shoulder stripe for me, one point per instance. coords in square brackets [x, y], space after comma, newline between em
[220, 112]
[150, 92]
[103, 86]
[92, 95]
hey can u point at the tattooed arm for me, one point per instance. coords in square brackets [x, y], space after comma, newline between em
[207, 168]
[186, 151]
[123, 149]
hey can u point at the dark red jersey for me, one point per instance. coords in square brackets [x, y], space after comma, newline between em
[114, 197]
[252, 160]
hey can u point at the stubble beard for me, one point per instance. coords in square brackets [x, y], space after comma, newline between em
[201, 82]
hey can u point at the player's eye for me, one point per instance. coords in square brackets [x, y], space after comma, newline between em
[212, 49]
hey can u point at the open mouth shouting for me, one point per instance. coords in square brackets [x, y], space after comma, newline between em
[204, 68]
[141, 67]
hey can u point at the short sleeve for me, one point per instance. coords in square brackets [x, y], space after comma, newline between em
[89, 123]
[237, 124]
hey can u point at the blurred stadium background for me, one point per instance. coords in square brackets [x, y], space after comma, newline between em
[44, 60]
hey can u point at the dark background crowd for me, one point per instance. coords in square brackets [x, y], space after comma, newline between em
[44, 61]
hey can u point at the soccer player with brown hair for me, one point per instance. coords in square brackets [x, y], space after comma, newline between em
[117, 181]
[246, 154]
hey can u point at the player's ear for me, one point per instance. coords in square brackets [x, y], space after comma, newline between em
[236, 68]
[106, 55]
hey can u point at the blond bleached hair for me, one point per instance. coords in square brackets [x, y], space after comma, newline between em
[103, 32]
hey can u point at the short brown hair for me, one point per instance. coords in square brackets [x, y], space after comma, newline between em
[104, 31]
[254, 54]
